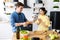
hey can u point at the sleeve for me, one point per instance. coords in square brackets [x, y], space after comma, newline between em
[12, 20]
[25, 19]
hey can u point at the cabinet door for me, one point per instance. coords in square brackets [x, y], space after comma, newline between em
[52, 15]
[55, 18]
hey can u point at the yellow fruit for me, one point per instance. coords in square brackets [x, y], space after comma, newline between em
[52, 37]
[56, 36]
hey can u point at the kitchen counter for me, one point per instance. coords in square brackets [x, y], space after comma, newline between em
[42, 35]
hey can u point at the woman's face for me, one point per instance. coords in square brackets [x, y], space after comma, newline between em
[41, 12]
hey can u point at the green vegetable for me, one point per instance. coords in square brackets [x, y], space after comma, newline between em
[23, 32]
[25, 39]
[21, 38]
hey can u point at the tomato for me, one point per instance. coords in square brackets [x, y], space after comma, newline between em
[25, 36]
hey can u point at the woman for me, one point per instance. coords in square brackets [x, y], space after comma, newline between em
[43, 20]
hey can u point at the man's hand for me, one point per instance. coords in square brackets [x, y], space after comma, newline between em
[18, 24]
[25, 24]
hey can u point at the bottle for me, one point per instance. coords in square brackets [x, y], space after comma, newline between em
[18, 33]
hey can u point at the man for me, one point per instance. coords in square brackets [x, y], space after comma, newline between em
[18, 19]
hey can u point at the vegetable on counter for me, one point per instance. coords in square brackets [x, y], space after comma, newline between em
[24, 32]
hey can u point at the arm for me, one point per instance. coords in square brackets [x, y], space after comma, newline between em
[18, 24]
[47, 22]
[13, 23]
[26, 22]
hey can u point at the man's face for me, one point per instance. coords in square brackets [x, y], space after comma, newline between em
[20, 8]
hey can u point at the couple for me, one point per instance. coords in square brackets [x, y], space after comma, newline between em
[18, 19]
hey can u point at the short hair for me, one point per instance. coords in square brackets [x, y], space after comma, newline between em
[42, 8]
[19, 4]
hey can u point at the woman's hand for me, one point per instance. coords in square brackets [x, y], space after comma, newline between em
[39, 21]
